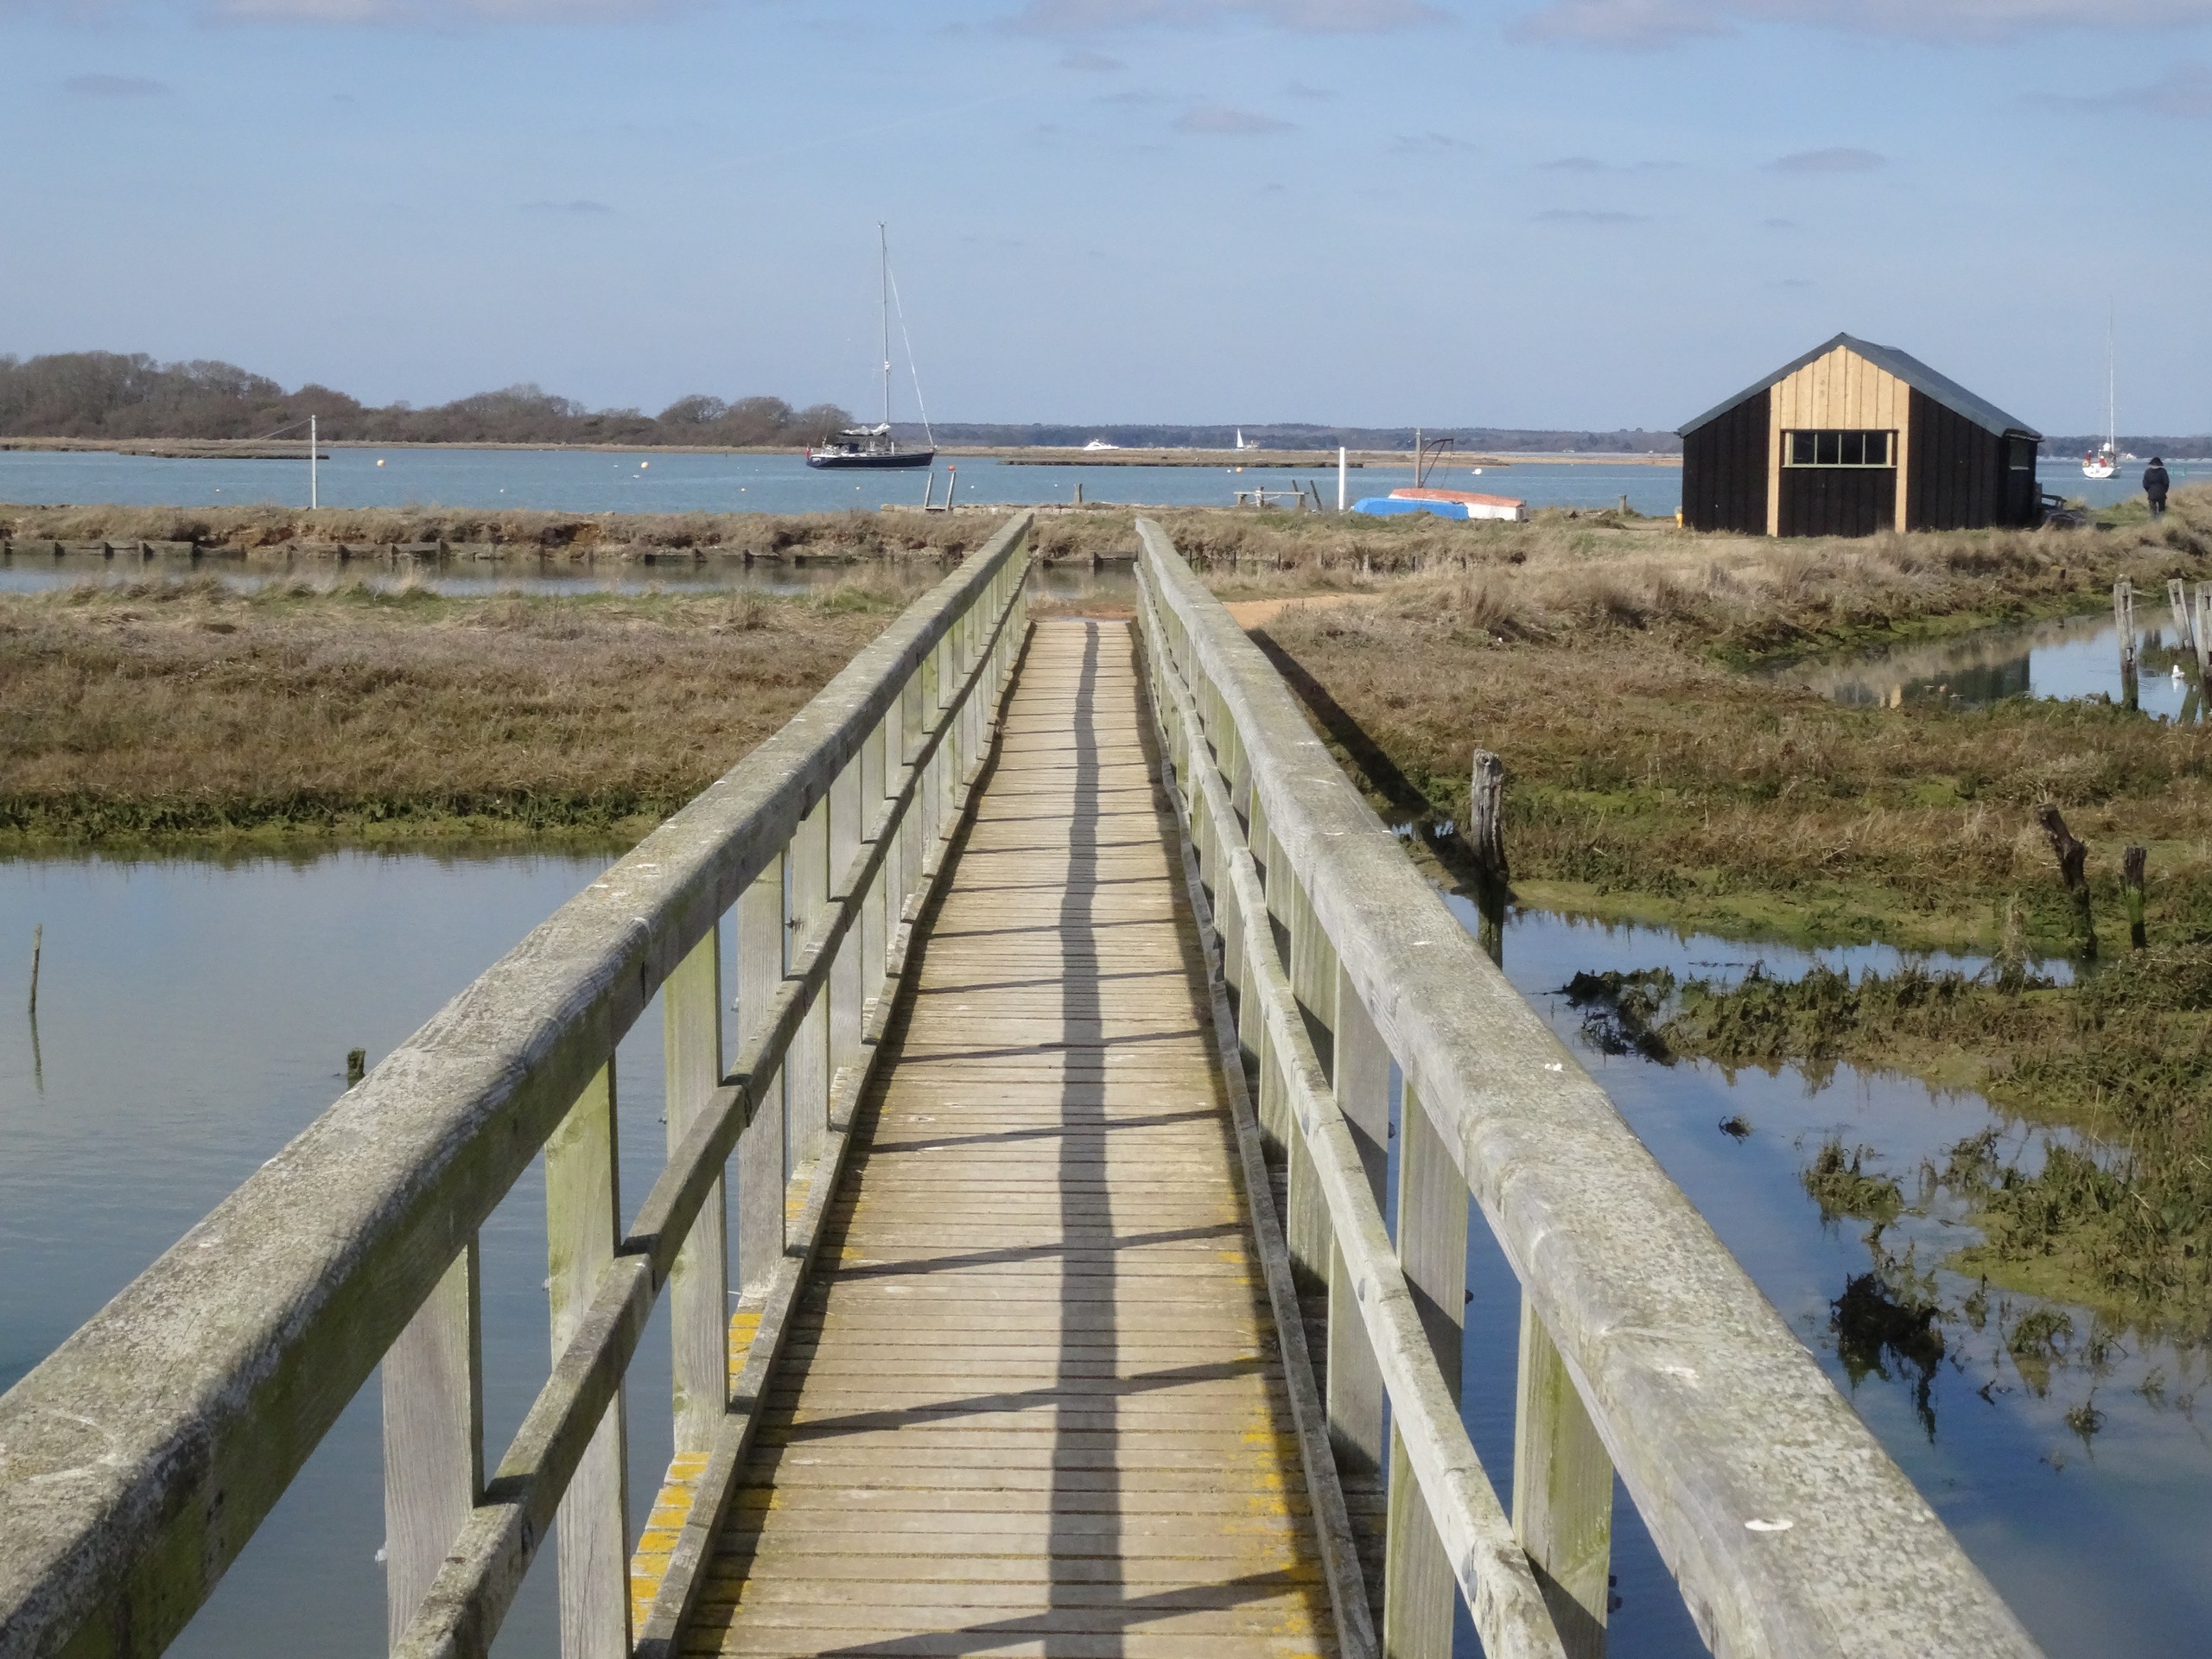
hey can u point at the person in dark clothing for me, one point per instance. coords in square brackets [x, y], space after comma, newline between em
[2155, 485]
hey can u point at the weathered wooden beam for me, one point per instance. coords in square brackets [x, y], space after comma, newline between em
[433, 1435]
[583, 1219]
[698, 1287]
[219, 1369]
[1689, 1375]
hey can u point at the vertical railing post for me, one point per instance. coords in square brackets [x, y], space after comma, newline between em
[1562, 1493]
[433, 1436]
[807, 1069]
[1362, 1080]
[583, 1218]
[761, 1169]
[1313, 983]
[698, 1285]
[850, 807]
[1419, 1590]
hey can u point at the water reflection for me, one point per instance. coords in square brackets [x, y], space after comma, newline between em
[2073, 660]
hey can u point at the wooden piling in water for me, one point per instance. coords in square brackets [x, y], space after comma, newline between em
[357, 1065]
[2073, 869]
[2202, 633]
[2131, 887]
[2123, 616]
[38, 948]
[1485, 814]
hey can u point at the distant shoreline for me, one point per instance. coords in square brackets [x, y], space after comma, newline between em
[251, 449]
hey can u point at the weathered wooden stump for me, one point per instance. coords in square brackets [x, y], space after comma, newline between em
[2131, 886]
[2073, 869]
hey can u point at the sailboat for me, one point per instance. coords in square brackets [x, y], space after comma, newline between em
[874, 446]
[2104, 461]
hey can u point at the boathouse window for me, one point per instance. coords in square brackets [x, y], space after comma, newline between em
[1838, 448]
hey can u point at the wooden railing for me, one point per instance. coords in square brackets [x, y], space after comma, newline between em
[137, 1459]
[1645, 1348]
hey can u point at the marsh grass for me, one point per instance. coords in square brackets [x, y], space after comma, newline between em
[1650, 778]
[155, 710]
[2117, 1214]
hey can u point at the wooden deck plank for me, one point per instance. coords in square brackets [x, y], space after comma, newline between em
[1032, 1403]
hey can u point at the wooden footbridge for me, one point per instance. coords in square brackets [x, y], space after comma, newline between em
[1089, 1165]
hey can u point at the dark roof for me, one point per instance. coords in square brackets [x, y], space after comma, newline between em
[1910, 370]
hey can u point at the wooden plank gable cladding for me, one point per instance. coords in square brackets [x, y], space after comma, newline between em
[1954, 460]
[1839, 389]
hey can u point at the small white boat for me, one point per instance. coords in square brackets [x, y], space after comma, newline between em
[2103, 461]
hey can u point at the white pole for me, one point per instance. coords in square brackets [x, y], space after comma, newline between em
[313, 495]
[1340, 478]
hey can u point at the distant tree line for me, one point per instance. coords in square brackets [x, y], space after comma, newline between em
[117, 395]
[1279, 435]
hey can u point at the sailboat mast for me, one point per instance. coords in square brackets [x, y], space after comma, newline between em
[2112, 392]
[883, 255]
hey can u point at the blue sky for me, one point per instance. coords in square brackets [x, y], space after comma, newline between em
[1569, 213]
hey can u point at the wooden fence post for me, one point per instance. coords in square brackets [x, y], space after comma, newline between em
[583, 1218]
[1420, 1592]
[1562, 1493]
[698, 1285]
[433, 1436]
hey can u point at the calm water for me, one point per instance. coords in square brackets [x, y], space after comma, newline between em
[2071, 659]
[2096, 1540]
[575, 480]
[244, 983]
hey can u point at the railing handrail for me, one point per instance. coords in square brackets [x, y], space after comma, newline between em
[1790, 1529]
[137, 1458]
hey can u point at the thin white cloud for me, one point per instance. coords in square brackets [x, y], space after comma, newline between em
[2184, 89]
[116, 86]
[1643, 24]
[1838, 158]
[1087, 62]
[441, 12]
[581, 204]
[1217, 120]
[1303, 16]
[1588, 216]
[1428, 143]
[1592, 164]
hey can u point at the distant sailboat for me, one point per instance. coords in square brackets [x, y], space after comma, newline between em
[874, 446]
[2104, 461]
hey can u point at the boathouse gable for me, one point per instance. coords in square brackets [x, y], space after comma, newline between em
[1854, 438]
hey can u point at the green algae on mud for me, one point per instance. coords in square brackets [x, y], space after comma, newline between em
[2110, 1207]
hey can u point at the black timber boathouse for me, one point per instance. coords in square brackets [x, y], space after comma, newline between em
[1853, 438]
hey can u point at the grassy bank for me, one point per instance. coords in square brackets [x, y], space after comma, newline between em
[1651, 778]
[171, 710]
[2124, 1057]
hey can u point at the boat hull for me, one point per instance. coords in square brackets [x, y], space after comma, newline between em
[894, 459]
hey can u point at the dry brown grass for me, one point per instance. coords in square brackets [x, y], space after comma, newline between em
[187, 709]
[1648, 776]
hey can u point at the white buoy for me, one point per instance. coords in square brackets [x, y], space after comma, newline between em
[643, 465]
[379, 460]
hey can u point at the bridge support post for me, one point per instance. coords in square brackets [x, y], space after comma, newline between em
[806, 1087]
[1362, 1080]
[1562, 1493]
[433, 1436]
[583, 1218]
[761, 943]
[1420, 1592]
[698, 1287]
